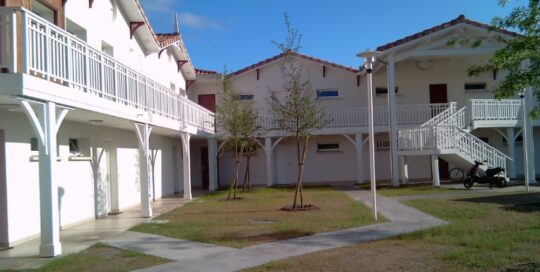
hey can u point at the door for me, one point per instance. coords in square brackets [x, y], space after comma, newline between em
[438, 94]
[208, 101]
[4, 238]
[204, 167]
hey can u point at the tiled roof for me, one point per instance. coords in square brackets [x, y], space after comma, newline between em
[205, 72]
[296, 54]
[460, 19]
[166, 39]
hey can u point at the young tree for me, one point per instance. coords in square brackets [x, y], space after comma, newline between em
[297, 114]
[239, 122]
[519, 56]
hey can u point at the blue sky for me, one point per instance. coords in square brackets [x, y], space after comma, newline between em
[238, 33]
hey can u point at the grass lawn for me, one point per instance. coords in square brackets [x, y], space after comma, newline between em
[102, 258]
[257, 217]
[493, 233]
[409, 189]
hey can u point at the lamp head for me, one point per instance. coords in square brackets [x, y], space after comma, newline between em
[370, 57]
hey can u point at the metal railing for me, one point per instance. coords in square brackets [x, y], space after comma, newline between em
[358, 117]
[52, 53]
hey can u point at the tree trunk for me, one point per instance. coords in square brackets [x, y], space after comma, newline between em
[234, 182]
[298, 191]
[247, 181]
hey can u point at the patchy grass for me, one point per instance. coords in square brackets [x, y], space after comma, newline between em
[409, 189]
[257, 217]
[493, 233]
[102, 258]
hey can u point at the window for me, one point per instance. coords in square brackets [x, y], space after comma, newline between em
[173, 87]
[327, 147]
[484, 139]
[327, 93]
[107, 49]
[34, 144]
[382, 145]
[384, 90]
[44, 11]
[476, 86]
[243, 97]
[79, 148]
[76, 29]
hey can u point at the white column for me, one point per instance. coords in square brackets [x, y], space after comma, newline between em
[113, 176]
[212, 164]
[269, 170]
[435, 170]
[186, 159]
[145, 173]
[511, 142]
[404, 170]
[392, 121]
[46, 125]
[359, 145]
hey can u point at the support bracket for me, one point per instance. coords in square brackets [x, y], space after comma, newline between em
[133, 26]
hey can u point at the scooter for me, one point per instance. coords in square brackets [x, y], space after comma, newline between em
[493, 177]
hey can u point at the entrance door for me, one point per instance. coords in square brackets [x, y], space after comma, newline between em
[4, 238]
[204, 167]
[208, 101]
[438, 94]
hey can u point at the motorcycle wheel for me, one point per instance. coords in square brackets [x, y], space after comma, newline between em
[468, 183]
[501, 182]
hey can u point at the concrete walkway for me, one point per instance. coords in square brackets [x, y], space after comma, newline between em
[193, 256]
[82, 236]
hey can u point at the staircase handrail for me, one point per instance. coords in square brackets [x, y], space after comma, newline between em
[441, 116]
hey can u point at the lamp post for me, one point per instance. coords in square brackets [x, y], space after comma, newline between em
[526, 139]
[370, 57]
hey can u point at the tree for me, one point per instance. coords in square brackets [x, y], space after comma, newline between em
[239, 122]
[297, 114]
[519, 56]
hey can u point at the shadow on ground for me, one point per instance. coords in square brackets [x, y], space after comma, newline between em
[525, 202]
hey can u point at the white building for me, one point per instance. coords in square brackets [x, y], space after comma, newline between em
[94, 116]
[443, 117]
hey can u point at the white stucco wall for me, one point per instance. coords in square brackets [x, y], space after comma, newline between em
[75, 178]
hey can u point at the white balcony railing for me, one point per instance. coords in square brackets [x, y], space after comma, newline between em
[53, 54]
[358, 117]
[492, 109]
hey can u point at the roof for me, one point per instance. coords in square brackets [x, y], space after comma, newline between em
[296, 54]
[205, 72]
[166, 39]
[459, 20]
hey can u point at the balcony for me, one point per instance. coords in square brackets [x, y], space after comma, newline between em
[357, 118]
[32, 46]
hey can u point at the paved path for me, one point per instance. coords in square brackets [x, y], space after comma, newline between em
[193, 256]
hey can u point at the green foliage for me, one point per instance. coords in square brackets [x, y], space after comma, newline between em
[237, 118]
[298, 112]
[519, 56]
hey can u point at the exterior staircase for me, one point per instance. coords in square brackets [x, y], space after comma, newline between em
[448, 136]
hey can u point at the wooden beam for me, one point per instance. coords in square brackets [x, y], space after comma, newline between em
[189, 83]
[181, 63]
[133, 26]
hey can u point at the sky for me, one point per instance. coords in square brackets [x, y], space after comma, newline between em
[237, 33]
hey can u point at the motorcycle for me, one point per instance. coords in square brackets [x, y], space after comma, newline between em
[492, 177]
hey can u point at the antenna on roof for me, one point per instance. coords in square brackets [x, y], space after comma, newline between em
[176, 24]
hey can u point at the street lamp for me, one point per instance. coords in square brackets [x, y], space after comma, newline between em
[370, 57]
[524, 132]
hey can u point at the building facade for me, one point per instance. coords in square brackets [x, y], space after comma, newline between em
[94, 117]
[442, 118]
